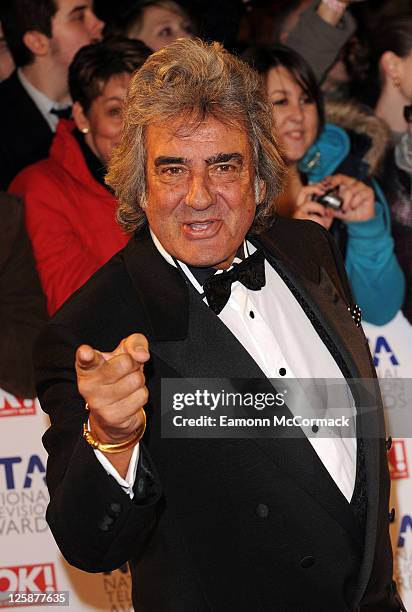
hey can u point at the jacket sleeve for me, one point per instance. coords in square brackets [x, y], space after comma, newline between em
[94, 522]
[377, 280]
[58, 249]
[318, 42]
[22, 304]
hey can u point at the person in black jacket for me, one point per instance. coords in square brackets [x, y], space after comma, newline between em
[43, 36]
[22, 304]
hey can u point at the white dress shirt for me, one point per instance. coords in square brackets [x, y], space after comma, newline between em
[43, 103]
[274, 329]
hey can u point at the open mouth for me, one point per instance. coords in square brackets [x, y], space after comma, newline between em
[295, 134]
[201, 229]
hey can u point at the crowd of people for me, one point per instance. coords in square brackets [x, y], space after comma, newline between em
[65, 70]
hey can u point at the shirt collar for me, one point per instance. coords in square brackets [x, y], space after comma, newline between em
[248, 249]
[43, 102]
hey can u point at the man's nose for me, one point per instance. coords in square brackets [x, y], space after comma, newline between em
[199, 195]
[96, 26]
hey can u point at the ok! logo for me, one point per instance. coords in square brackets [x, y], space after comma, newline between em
[11, 406]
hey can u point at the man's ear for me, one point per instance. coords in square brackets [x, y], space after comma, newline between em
[260, 191]
[391, 66]
[37, 42]
[80, 118]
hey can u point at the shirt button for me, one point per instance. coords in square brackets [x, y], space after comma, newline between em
[315, 428]
[282, 371]
[392, 515]
[251, 314]
[114, 509]
[307, 561]
[262, 511]
[389, 443]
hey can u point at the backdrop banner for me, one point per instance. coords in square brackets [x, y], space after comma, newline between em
[391, 348]
[29, 559]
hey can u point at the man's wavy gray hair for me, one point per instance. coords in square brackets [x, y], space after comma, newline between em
[193, 80]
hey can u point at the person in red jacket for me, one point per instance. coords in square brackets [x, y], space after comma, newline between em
[70, 212]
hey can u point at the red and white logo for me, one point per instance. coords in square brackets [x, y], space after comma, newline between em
[27, 579]
[14, 406]
[398, 460]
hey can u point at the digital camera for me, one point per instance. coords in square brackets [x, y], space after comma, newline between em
[331, 199]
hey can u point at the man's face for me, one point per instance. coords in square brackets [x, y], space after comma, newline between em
[200, 190]
[73, 26]
[405, 87]
[6, 60]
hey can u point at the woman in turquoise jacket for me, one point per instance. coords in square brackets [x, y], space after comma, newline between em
[326, 158]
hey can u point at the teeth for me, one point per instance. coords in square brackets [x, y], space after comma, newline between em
[199, 226]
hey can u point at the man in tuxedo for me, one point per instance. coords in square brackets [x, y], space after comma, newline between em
[212, 285]
[43, 37]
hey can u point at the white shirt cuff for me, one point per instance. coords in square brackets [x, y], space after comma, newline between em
[128, 482]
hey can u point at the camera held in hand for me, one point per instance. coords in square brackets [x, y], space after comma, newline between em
[331, 199]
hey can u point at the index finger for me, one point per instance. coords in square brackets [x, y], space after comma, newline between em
[87, 358]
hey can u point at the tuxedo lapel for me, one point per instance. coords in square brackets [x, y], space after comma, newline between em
[160, 289]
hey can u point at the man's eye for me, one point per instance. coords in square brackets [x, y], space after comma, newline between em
[225, 168]
[172, 171]
[79, 16]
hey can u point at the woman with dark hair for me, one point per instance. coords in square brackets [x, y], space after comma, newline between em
[397, 183]
[70, 212]
[389, 90]
[388, 86]
[330, 179]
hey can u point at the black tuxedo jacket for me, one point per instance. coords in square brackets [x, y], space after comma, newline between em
[215, 524]
[25, 134]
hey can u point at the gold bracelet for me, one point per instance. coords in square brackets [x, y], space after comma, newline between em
[120, 447]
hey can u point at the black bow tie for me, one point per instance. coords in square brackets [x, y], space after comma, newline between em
[62, 113]
[250, 272]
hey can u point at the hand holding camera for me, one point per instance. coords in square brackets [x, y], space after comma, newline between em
[357, 198]
[336, 197]
[309, 207]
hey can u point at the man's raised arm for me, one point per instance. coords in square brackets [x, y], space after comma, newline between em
[321, 32]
